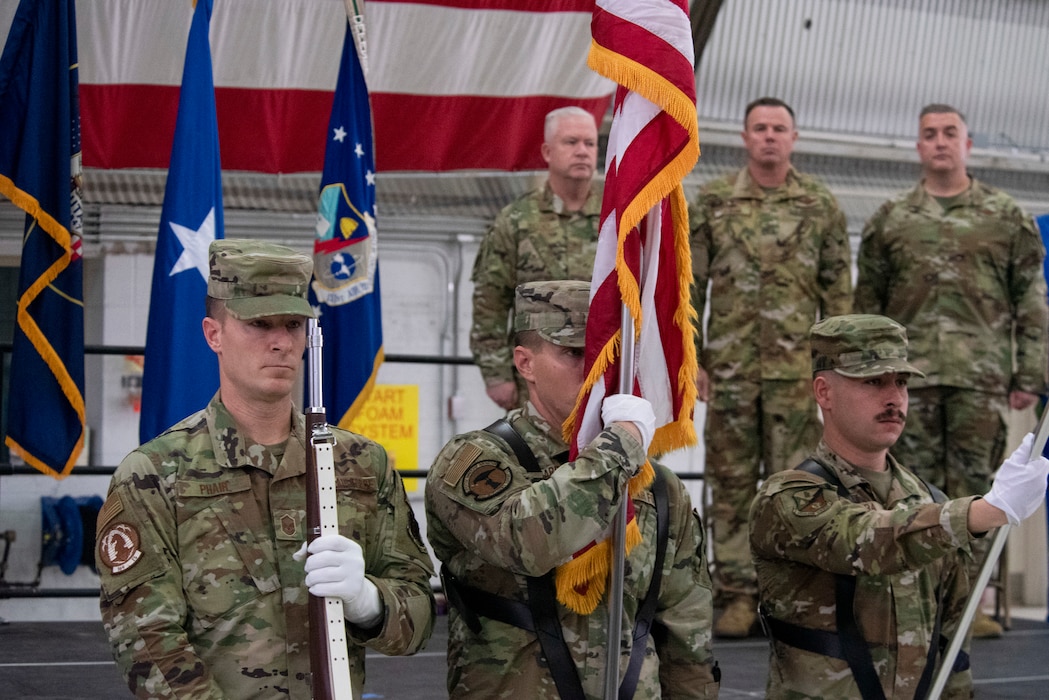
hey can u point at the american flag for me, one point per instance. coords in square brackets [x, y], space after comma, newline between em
[454, 84]
[643, 259]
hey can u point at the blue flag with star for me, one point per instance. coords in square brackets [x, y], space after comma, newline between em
[40, 173]
[345, 288]
[181, 372]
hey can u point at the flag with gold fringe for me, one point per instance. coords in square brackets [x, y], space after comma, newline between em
[345, 291]
[643, 260]
[40, 172]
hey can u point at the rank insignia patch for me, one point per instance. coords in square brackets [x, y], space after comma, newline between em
[288, 525]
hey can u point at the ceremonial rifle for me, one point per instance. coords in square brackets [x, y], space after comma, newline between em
[1038, 446]
[329, 658]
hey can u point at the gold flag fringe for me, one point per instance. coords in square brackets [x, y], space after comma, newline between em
[581, 582]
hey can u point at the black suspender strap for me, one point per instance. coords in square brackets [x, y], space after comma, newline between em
[503, 429]
[538, 616]
[542, 596]
[853, 646]
[811, 466]
[935, 643]
[922, 688]
[647, 611]
[542, 599]
[857, 653]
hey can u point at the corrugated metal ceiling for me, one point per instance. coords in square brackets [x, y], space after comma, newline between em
[868, 66]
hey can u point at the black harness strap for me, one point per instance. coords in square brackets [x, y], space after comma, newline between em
[539, 616]
[542, 595]
[854, 647]
[857, 653]
[804, 638]
[503, 429]
[484, 604]
[542, 600]
[848, 643]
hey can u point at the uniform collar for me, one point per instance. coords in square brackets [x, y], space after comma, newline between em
[746, 188]
[904, 484]
[235, 451]
[552, 433]
[550, 202]
[920, 200]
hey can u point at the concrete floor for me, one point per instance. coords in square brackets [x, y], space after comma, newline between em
[60, 661]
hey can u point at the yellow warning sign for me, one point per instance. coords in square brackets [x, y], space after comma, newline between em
[390, 417]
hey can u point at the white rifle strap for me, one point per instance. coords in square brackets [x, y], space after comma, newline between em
[323, 442]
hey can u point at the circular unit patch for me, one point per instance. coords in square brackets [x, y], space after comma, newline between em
[486, 479]
[118, 549]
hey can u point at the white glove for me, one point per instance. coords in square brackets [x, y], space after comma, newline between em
[1019, 485]
[335, 568]
[628, 408]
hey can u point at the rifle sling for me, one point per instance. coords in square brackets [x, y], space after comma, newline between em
[539, 616]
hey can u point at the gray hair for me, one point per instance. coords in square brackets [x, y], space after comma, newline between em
[554, 117]
[940, 108]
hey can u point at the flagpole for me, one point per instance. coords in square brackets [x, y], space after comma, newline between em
[943, 673]
[618, 537]
[355, 16]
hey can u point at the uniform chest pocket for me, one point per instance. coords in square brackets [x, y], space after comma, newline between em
[225, 563]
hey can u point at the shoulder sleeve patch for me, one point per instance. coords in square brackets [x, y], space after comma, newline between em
[486, 479]
[118, 547]
[810, 502]
[461, 462]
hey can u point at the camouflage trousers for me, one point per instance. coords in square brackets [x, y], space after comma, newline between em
[753, 429]
[955, 439]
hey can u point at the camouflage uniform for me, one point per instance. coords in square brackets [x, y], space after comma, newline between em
[493, 523]
[962, 281]
[531, 239]
[904, 552]
[776, 260]
[200, 595]
[492, 537]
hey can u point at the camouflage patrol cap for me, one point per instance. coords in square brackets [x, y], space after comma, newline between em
[860, 345]
[556, 310]
[258, 279]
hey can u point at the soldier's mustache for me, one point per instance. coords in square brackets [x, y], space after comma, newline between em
[892, 414]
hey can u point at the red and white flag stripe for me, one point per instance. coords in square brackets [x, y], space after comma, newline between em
[643, 262]
[275, 66]
[643, 256]
[465, 84]
[455, 84]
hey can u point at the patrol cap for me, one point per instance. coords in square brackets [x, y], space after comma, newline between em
[258, 279]
[556, 310]
[860, 345]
